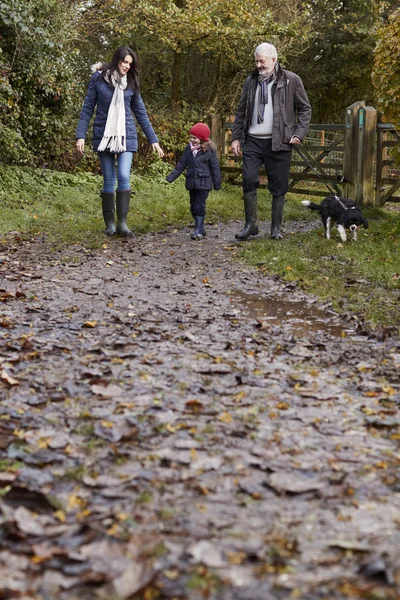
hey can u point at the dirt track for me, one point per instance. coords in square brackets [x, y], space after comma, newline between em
[177, 425]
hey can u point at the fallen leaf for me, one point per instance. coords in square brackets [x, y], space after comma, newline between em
[90, 324]
[6, 377]
[294, 482]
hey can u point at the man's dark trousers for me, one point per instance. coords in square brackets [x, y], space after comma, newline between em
[258, 152]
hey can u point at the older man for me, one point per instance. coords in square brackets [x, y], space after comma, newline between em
[273, 114]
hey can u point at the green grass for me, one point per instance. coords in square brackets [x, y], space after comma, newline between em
[66, 208]
[361, 277]
[62, 206]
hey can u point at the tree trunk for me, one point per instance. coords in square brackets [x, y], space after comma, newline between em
[176, 81]
[176, 71]
[218, 85]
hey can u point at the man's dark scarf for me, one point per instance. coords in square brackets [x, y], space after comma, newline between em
[264, 80]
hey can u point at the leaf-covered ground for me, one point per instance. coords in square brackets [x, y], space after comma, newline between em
[175, 425]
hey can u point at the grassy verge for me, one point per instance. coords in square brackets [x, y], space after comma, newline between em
[362, 277]
[66, 208]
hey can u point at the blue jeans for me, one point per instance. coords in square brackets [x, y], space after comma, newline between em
[107, 162]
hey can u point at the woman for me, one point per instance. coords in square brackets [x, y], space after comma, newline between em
[114, 89]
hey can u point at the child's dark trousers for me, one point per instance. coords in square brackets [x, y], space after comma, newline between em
[198, 202]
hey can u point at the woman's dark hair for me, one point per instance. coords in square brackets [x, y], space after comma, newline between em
[133, 73]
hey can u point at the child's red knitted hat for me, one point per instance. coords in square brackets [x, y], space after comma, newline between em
[201, 131]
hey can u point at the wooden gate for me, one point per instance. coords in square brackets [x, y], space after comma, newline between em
[350, 159]
[319, 160]
[387, 175]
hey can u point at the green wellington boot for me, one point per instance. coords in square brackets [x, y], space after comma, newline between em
[276, 216]
[107, 200]
[250, 211]
[122, 213]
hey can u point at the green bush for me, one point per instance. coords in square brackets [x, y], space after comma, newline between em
[13, 149]
[24, 187]
[173, 133]
[38, 86]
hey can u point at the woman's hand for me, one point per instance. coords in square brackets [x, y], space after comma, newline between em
[157, 148]
[80, 145]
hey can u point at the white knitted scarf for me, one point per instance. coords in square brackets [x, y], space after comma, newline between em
[114, 136]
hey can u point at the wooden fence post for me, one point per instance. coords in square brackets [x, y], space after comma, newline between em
[359, 153]
[217, 135]
[351, 149]
[367, 121]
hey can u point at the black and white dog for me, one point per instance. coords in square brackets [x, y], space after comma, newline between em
[342, 211]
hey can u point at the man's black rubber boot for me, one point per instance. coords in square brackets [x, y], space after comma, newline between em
[122, 213]
[276, 217]
[107, 200]
[250, 211]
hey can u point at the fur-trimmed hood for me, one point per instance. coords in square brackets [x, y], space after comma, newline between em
[99, 66]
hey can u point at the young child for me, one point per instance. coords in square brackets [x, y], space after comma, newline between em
[203, 171]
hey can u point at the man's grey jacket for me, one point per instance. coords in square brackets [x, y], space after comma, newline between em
[292, 109]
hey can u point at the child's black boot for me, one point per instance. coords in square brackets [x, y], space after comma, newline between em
[198, 228]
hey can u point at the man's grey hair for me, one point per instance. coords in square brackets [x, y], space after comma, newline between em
[267, 50]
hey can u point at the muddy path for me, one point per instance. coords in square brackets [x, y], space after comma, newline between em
[174, 424]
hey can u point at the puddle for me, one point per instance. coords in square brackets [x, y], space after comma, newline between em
[299, 316]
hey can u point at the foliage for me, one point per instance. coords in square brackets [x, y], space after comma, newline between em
[173, 132]
[209, 24]
[8, 106]
[13, 148]
[21, 188]
[37, 83]
[190, 50]
[339, 56]
[386, 72]
[194, 55]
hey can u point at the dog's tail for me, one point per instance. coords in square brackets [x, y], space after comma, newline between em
[310, 205]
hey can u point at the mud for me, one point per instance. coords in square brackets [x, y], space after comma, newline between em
[174, 424]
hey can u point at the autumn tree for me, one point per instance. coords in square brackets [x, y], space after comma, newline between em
[386, 71]
[37, 75]
[199, 40]
[339, 56]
